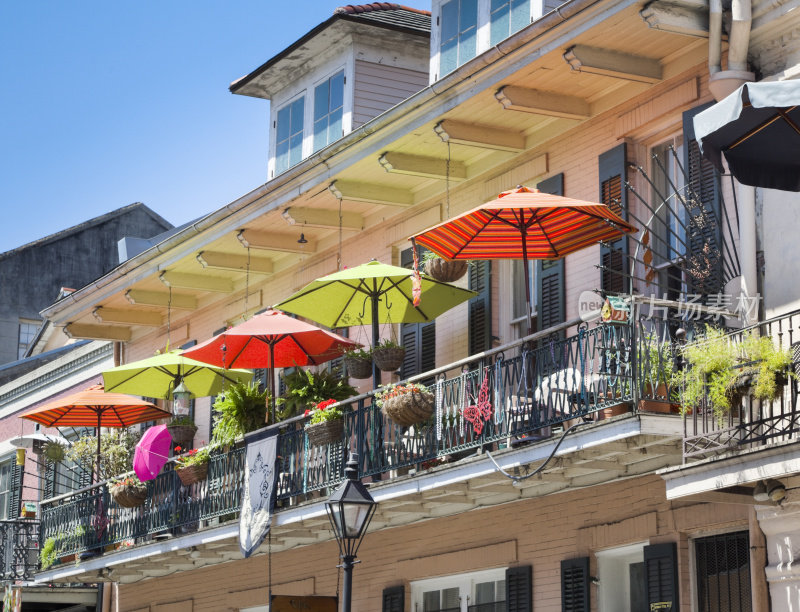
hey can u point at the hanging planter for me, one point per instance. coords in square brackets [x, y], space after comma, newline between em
[358, 363]
[388, 356]
[182, 431]
[129, 492]
[54, 452]
[407, 404]
[445, 270]
[327, 432]
[192, 467]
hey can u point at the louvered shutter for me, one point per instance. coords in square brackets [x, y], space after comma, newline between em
[519, 589]
[49, 479]
[613, 258]
[575, 585]
[550, 307]
[394, 599]
[703, 204]
[419, 339]
[661, 575]
[15, 494]
[480, 307]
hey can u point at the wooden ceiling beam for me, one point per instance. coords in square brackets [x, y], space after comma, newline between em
[417, 165]
[90, 331]
[593, 60]
[234, 263]
[161, 298]
[149, 318]
[325, 219]
[269, 241]
[372, 193]
[542, 102]
[482, 136]
[197, 282]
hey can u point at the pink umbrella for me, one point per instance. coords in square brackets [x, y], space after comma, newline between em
[152, 452]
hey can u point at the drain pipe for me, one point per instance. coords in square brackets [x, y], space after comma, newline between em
[724, 82]
[714, 36]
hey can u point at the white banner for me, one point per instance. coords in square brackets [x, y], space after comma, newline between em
[258, 495]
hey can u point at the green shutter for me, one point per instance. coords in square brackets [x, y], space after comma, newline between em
[419, 339]
[703, 198]
[15, 494]
[480, 307]
[394, 599]
[519, 589]
[575, 585]
[49, 479]
[612, 166]
[550, 300]
[661, 575]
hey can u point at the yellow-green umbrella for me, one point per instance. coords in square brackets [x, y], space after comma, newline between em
[158, 376]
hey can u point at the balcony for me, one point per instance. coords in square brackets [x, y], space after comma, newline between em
[19, 549]
[539, 389]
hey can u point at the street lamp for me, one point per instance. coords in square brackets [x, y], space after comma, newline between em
[350, 509]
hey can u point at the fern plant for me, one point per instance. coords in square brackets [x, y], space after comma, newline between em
[305, 389]
[242, 408]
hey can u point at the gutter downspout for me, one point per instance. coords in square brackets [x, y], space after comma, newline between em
[724, 82]
[714, 36]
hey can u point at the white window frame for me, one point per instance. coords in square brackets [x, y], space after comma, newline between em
[614, 577]
[32, 327]
[328, 76]
[465, 582]
[274, 140]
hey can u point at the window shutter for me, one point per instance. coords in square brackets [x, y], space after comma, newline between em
[661, 574]
[15, 495]
[702, 183]
[419, 339]
[49, 479]
[612, 166]
[480, 307]
[550, 307]
[519, 589]
[575, 585]
[394, 599]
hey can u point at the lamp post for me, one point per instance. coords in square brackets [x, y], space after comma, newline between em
[350, 509]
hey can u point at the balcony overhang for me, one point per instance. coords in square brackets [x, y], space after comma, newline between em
[621, 448]
[733, 471]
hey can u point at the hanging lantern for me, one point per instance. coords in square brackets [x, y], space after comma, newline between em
[180, 400]
[20, 456]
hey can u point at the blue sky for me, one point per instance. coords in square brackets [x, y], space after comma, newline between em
[107, 103]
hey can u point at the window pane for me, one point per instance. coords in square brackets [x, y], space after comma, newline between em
[430, 601]
[297, 115]
[295, 149]
[468, 17]
[499, 26]
[321, 100]
[320, 133]
[337, 91]
[282, 132]
[449, 21]
[520, 15]
[484, 592]
[466, 50]
[282, 156]
[335, 126]
[448, 57]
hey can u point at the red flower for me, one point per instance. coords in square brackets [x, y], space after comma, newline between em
[178, 449]
[306, 413]
[324, 404]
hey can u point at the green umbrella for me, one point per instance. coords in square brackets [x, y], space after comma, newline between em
[157, 376]
[372, 293]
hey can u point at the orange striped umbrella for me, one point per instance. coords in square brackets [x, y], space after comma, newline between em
[524, 224]
[95, 408]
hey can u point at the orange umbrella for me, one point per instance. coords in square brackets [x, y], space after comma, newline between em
[524, 224]
[94, 408]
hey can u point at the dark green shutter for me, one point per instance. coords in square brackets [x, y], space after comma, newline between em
[575, 585]
[519, 589]
[480, 307]
[419, 339]
[702, 197]
[15, 495]
[661, 574]
[394, 599]
[550, 306]
[612, 166]
[49, 479]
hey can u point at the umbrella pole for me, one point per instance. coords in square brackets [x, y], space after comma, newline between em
[271, 380]
[99, 417]
[526, 272]
[376, 377]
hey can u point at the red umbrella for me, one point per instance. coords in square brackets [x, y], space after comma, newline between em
[94, 408]
[271, 340]
[152, 452]
[524, 224]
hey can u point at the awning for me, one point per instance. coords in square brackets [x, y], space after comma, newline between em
[757, 128]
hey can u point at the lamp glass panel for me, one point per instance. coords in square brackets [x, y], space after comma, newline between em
[354, 517]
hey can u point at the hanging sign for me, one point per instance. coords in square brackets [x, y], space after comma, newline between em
[615, 310]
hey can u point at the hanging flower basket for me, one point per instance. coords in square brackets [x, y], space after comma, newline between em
[327, 432]
[445, 270]
[192, 474]
[389, 359]
[358, 367]
[182, 435]
[409, 408]
[129, 495]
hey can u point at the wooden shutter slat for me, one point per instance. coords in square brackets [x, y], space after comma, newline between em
[15, 495]
[480, 318]
[661, 574]
[575, 585]
[550, 307]
[419, 339]
[519, 589]
[612, 166]
[394, 599]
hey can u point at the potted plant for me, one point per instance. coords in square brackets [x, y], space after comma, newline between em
[48, 555]
[128, 491]
[192, 467]
[242, 408]
[769, 365]
[116, 450]
[182, 429]
[444, 270]
[326, 424]
[658, 377]
[406, 404]
[358, 363]
[53, 451]
[388, 355]
[305, 389]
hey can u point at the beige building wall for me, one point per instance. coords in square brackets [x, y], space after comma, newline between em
[539, 531]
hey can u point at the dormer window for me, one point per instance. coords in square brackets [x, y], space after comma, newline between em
[289, 135]
[328, 110]
[507, 17]
[459, 30]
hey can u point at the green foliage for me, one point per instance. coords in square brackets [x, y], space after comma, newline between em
[770, 362]
[240, 409]
[54, 451]
[305, 389]
[181, 421]
[359, 353]
[393, 390]
[429, 256]
[325, 411]
[116, 450]
[194, 457]
[386, 344]
[49, 553]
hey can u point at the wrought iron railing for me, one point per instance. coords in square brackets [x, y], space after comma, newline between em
[19, 549]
